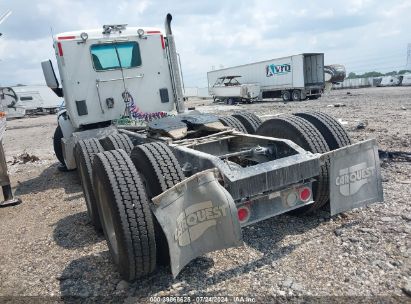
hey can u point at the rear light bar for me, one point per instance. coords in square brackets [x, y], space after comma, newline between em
[264, 206]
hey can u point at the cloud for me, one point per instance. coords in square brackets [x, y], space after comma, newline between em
[362, 34]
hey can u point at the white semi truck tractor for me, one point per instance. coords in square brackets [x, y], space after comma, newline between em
[186, 182]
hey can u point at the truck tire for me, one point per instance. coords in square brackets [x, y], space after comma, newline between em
[159, 171]
[250, 121]
[117, 141]
[286, 95]
[233, 122]
[304, 134]
[230, 101]
[296, 95]
[58, 149]
[333, 132]
[84, 152]
[125, 213]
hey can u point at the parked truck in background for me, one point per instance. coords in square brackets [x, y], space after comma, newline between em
[294, 77]
[185, 183]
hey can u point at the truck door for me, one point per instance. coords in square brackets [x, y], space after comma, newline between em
[314, 70]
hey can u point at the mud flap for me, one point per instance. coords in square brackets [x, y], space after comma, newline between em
[197, 216]
[355, 176]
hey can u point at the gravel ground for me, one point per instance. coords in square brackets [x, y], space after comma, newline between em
[48, 248]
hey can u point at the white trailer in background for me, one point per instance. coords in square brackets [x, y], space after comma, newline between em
[292, 78]
[203, 93]
[190, 92]
[31, 99]
[406, 80]
[197, 92]
[390, 81]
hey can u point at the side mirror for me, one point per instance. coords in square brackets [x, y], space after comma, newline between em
[49, 75]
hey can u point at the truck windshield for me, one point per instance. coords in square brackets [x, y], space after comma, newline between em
[105, 57]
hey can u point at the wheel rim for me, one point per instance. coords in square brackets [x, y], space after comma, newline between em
[296, 96]
[286, 96]
[108, 220]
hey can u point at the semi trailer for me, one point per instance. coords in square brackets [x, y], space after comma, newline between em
[185, 183]
[294, 77]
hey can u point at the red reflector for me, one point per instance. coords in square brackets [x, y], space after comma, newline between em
[66, 37]
[153, 32]
[60, 49]
[162, 42]
[243, 214]
[305, 194]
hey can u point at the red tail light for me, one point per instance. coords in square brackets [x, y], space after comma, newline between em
[60, 49]
[66, 37]
[305, 194]
[243, 214]
[163, 45]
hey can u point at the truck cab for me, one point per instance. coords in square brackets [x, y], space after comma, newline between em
[109, 73]
[98, 66]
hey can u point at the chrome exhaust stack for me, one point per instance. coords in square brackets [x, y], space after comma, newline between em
[174, 67]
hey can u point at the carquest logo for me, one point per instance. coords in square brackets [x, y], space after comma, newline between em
[351, 179]
[195, 220]
[280, 69]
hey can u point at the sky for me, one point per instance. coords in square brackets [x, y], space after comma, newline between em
[363, 35]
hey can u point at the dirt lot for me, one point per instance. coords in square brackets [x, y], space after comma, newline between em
[49, 249]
